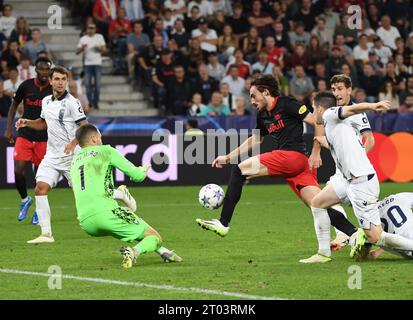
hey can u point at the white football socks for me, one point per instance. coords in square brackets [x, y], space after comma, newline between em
[43, 213]
[322, 226]
[395, 241]
[117, 195]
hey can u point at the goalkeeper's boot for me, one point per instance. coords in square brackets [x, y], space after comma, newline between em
[129, 257]
[317, 258]
[127, 198]
[213, 225]
[339, 242]
[357, 241]
[35, 219]
[24, 208]
[170, 256]
[43, 238]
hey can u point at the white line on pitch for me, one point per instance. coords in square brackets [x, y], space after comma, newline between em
[144, 285]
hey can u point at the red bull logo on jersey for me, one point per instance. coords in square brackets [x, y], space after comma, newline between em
[276, 126]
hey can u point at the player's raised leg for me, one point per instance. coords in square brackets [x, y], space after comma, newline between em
[248, 169]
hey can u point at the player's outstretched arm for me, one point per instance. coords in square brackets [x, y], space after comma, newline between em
[8, 134]
[348, 111]
[137, 174]
[38, 124]
[247, 145]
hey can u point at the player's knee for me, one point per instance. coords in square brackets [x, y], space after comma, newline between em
[240, 170]
[41, 190]
[316, 203]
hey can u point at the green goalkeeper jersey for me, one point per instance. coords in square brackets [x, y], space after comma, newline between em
[92, 178]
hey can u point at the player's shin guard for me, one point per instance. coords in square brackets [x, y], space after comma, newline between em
[20, 181]
[148, 244]
[43, 212]
[322, 229]
[339, 221]
[395, 241]
[232, 196]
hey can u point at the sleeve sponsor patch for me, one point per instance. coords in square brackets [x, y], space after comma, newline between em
[302, 109]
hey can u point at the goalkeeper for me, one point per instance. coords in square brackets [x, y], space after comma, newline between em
[97, 211]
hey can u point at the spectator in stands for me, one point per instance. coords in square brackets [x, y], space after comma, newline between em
[84, 102]
[222, 5]
[136, 41]
[149, 56]
[408, 53]
[373, 15]
[177, 7]
[263, 65]
[240, 107]
[400, 68]
[370, 83]
[260, 19]
[376, 64]
[205, 7]
[251, 45]
[321, 85]
[204, 84]
[227, 97]
[335, 61]
[280, 35]
[217, 22]
[118, 32]
[360, 95]
[196, 57]
[322, 33]
[178, 57]
[388, 33]
[361, 50]
[407, 106]
[227, 42]
[159, 30]
[340, 41]
[191, 22]
[192, 128]
[332, 18]
[244, 68]
[306, 15]
[216, 107]
[35, 45]
[349, 34]
[315, 54]
[11, 57]
[21, 33]
[5, 102]
[178, 92]
[365, 29]
[401, 49]
[134, 9]
[301, 86]
[391, 75]
[275, 54]
[320, 73]
[238, 21]
[180, 35]
[161, 75]
[103, 12]
[197, 105]
[26, 71]
[383, 53]
[7, 21]
[235, 82]
[10, 86]
[389, 92]
[215, 69]
[149, 22]
[298, 57]
[168, 20]
[282, 80]
[207, 37]
[299, 35]
[350, 71]
[408, 91]
[92, 45]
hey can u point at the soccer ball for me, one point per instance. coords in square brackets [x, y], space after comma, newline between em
[211, 196]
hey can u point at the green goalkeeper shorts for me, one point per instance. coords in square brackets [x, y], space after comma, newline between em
[120, 223]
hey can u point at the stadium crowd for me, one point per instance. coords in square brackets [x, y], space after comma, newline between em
[198, 57]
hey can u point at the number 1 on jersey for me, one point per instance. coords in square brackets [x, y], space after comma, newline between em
[82, 176]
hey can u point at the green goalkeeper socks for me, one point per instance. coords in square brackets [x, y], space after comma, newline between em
[148, 244]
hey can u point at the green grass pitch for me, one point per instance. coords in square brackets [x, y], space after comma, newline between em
[270, 232]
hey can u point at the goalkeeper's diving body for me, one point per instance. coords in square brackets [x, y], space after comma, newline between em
[97, 211]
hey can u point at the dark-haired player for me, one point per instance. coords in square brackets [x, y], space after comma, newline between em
[282, 118]
[30, 145]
